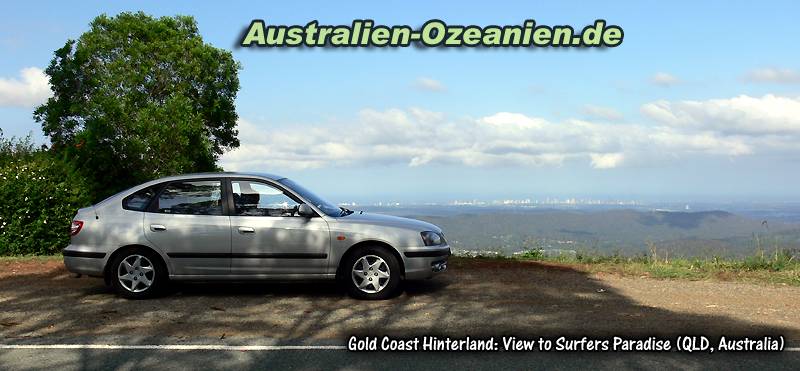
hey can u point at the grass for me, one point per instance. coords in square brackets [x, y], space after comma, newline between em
[28, 258]
[777, 268]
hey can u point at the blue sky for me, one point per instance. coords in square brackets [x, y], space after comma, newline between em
[700, 102]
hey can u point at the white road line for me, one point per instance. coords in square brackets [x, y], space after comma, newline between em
[175, 347]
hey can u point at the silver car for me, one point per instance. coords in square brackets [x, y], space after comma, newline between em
[243, 226]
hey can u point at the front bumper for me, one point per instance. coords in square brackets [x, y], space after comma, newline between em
[422, 263]
[90, 263]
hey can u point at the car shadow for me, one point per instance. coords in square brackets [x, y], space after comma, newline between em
[321, 289]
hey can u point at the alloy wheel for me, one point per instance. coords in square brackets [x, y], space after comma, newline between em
[136, 273]
[370, 274]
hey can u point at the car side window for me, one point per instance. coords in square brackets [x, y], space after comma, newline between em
[252, 198]
[139, 200]
[200, 197]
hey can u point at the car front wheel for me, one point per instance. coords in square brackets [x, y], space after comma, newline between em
[372, 273]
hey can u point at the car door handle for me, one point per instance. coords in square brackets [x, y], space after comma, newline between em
[247, 230]
[157, 227]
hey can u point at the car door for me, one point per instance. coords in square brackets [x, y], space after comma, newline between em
[268, 237]
[188, 220]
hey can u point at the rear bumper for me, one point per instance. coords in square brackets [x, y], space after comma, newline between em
[424, 263]
[84, 262]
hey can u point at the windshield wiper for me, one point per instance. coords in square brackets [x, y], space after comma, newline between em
[345, 211]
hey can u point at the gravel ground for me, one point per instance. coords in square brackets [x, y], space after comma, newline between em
[40, 300]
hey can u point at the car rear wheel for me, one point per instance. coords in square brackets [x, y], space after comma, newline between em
[372, 273]
[138, 274]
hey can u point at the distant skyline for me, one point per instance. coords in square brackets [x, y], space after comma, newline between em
[701, 102]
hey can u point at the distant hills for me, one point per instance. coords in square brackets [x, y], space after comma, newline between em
[629, 232]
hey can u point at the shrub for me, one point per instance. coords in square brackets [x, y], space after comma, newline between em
[15, 148]
[533, 255]
[40, 195]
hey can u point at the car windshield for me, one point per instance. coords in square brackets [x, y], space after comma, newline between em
[321, 204]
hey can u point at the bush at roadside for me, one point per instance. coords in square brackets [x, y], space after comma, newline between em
[40, 195]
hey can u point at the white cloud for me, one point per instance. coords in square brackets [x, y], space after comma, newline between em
[664, 79]
[429, 84]
[417, 137]
[742, 115]
[774, 75]
[606, 160]
[32, 89]
[674, 142]
[603, 113]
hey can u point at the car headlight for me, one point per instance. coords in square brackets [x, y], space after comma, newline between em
[432, 238]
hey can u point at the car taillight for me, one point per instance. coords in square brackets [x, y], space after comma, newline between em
[75, 227]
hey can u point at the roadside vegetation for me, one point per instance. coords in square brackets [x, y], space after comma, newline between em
[40, 194]
[779, 267]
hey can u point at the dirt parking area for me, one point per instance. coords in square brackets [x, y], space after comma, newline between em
[39, 299]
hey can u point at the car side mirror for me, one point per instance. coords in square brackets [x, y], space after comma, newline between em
[305, 211]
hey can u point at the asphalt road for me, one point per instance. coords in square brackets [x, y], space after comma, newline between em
[35, 359]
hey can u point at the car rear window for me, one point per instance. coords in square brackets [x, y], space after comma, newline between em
[139, 200]
[202, 197]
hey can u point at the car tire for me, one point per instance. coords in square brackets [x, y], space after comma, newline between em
[371, 273]
[138, 273]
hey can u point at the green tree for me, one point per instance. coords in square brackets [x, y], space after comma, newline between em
[138, 97]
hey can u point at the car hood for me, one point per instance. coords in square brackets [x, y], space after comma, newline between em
[388, 220]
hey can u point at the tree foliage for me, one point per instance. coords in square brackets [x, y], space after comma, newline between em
[138, 97]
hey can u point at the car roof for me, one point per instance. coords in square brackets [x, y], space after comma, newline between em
[222, 174]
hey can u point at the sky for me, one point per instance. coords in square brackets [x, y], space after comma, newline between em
[701, 102]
